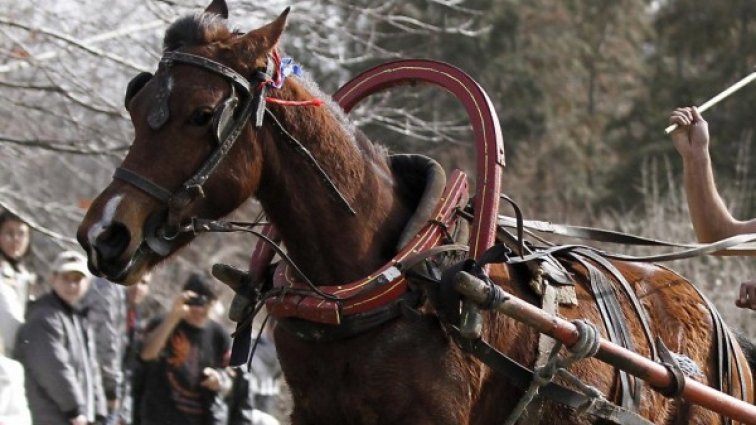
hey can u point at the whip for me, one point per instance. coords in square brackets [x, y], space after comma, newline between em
[716, 99]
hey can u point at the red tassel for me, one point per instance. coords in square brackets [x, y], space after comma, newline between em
[311, 102]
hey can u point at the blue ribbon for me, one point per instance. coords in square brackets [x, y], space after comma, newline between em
[288, 67]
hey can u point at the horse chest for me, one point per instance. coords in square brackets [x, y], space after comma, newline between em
[391, 375]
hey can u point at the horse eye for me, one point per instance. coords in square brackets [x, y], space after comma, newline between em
[201, 116]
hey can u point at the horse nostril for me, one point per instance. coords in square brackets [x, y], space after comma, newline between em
[112, 242]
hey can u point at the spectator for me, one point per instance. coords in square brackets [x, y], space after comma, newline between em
[15, 279]
[137, 316]
[56, 347]
[184, 357]
[107, 313]
[14, 409]
[265, 371]
[119, 320]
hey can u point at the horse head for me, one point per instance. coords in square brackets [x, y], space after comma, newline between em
[184, 162]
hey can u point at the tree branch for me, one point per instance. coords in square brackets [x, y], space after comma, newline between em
[67, 146]
[83, 45]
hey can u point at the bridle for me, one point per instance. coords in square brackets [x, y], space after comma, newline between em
[229, 118]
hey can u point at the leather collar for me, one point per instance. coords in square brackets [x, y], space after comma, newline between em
[375, 291]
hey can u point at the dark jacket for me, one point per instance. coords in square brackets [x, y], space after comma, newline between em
[106, 302]
[167, 388]
[56, 347]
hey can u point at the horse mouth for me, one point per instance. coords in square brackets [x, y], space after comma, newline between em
[119, 272]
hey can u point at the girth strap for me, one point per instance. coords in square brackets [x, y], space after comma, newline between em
[640, 311]
[616, 327]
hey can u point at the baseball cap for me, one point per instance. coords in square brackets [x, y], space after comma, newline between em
[201, 285]
[70, 261]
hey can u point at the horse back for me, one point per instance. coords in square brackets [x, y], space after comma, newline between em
[677, 313]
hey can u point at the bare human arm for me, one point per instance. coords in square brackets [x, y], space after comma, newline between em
[155, 341]
[711, 219]
[747, 296]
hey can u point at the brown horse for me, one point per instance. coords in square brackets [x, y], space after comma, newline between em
[308, 167]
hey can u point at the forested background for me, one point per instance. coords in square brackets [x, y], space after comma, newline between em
[583, 89]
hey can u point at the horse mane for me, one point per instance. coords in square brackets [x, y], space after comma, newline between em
[205, 28]
[372, 150]
[195, 30]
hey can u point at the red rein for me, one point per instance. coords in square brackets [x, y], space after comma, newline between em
[311, 102]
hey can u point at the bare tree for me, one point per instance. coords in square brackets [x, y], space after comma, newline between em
[64, 69]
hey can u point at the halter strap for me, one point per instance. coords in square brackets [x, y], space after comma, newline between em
[170, 57]
[161, 238]
[192, 187]
[134, 179]
[253, 102]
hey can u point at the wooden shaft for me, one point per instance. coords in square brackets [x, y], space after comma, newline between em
[635, 364]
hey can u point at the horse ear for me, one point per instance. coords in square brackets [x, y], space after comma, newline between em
[270, 33]
[218, 7]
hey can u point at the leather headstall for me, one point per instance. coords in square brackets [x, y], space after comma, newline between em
[380, 289]
[229, 120]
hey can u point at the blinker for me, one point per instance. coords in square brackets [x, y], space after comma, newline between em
[160, 111]
[135, 85]
[223, 116]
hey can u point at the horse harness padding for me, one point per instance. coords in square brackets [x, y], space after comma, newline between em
[343, 310]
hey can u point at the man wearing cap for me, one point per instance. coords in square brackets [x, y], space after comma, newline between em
[184, 355]
[56, 347]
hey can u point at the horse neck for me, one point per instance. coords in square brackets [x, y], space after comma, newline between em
[328, 243]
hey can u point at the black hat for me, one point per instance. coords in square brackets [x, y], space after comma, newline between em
[7, 215]
[201, 285]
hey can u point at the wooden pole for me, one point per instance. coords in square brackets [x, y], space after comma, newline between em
[633, 363]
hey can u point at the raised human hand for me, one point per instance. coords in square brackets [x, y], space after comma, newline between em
[691, 138]
[747, 297]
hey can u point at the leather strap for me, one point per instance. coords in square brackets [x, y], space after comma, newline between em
[143, 184]
[520, 376]
[616, 327]
[725, 354]
[300, 149]
[180, 57]
[677, 384]
[591, 233]
[350, 325]
[744, 242]
[703, 249]
[640, 311]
